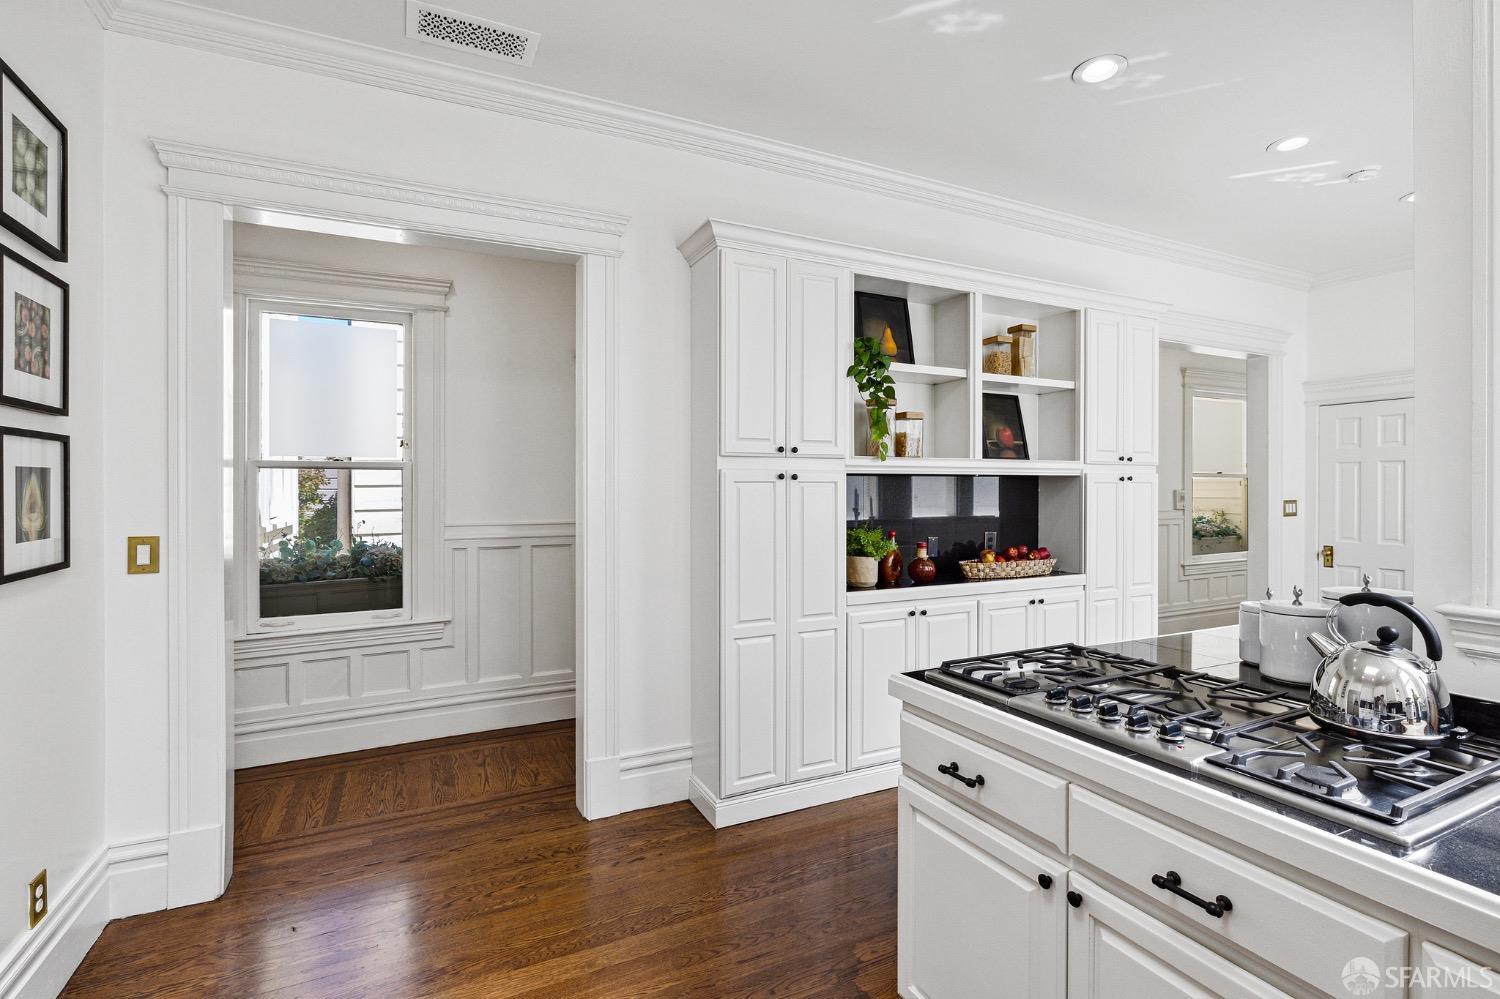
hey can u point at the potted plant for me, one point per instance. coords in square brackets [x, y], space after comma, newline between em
[1215, 534]
[867, 545]
[871, 372]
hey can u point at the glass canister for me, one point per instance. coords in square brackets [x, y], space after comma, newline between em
[999, 354]
[908, 434]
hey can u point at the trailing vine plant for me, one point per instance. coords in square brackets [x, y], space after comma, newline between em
[871, 372]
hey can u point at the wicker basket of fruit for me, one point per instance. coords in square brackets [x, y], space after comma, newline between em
[1013, 563]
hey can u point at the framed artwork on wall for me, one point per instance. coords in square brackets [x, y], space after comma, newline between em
[1004, 432]
[33, 337]
[33, 168]
[886, 320]
[35, 531]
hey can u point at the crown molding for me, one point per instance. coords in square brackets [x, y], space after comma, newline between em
[1223, 334]
[1397, 384]
[104, 11]
[254, 166]
[872, 262]
[1360, 272]
[186, 24]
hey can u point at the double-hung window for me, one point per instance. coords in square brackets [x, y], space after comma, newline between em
[329, 465]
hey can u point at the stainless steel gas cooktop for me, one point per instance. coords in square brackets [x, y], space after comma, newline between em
[1212, 723]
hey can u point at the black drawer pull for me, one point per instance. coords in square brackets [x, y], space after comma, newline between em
[951, 770]
[1172, 882]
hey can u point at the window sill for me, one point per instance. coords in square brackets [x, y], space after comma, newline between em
[319, 639]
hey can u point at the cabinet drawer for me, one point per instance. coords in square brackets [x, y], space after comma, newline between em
[1285, 924]
[1020, 794]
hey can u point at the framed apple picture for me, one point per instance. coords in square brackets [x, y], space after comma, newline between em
[1004, 431]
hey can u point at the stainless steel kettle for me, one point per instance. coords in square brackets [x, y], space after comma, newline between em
[1377, 688]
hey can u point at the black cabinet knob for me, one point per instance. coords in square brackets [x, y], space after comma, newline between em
[1120, 458]
[794, 474]
[781, 450]
[1122, 478]
[1041, 600]
[794, 450]
[1075, 899]
[924, 612]
[1032, 600]
[1045, 880]
[911, 613]
[1128, 478]
[781, 475]
[1132, 458]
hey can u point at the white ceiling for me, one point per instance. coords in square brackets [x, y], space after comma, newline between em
[976, 92]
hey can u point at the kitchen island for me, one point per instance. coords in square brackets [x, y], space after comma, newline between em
[1037, 859]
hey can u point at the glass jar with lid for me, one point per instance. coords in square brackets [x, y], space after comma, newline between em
[908, 434]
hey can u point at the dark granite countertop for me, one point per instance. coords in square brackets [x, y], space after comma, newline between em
[1469, 853]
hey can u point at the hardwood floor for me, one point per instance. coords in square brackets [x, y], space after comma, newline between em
[460, 868]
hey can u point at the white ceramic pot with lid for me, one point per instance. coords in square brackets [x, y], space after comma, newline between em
[1250, 630]
[1285, 653]
[1362, 622]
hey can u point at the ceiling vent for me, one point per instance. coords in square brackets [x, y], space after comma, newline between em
[441, 26]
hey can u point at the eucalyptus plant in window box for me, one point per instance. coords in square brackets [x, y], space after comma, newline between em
[871, 372]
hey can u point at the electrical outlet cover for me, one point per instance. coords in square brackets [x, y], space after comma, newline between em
[36, 900]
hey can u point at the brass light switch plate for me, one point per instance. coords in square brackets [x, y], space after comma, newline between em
[1289, 508]
[142, 555]
[36, 900]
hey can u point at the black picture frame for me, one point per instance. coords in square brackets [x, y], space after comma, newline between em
[7, 502]
[60, 336]
[1002, 413]
[57, 251]
[872, 313]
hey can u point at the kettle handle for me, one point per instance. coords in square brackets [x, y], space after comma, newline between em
[1423, 625]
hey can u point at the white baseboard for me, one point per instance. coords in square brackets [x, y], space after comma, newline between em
[41, 964]
[137, 877]
[655, 777]
[721, 812]
[1192, 618]
[371, 727]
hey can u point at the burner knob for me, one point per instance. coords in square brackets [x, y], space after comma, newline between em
[1139, 720]
[1169, 731]
[1057, 695]
[1082, 703]
[1109, 711]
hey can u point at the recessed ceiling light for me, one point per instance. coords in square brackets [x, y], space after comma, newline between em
[1099, 68]
[1288, 144]
[1409, 197]
[1361, 176]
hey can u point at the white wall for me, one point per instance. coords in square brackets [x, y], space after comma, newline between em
[1362, 327]
[1198, 599]
[52, 627]
[163, 91]
[507, 657]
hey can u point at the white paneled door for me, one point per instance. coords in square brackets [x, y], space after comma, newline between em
[1364, 493]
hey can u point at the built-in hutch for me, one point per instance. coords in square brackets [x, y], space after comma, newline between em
[790, 668]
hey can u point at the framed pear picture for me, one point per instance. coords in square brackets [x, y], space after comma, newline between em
[33, 337]
[35, 532]
[33, 168]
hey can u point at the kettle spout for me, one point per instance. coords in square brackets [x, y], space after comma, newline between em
[1325, 645]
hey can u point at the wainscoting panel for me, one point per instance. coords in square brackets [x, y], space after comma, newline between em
[1206, 597]
[503, 657]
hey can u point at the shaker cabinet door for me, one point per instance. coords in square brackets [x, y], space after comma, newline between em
[1059, 617]
[1105, 350]
[1138, 543]
[945, 631]
[815, 587]
[752, 354]
[1105, 553]
[1140, 376]
[818, 354]
[1005, 623]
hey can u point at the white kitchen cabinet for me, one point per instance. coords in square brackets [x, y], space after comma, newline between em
[894, 639]
[978, 913]
[1117, 951]
[752, 395]
[1121, 385]
[1120, 555]
[818, 331]
[882, 642]
[753, 508]
[815, 578]
[1014, 621]
[1439, 973]
[784, 333]
[944, 631]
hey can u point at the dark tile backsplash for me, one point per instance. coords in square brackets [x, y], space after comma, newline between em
[955, 509]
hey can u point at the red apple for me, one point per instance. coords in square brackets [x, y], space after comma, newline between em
[1043, 553]
[1024, 550]
[1012, 553]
